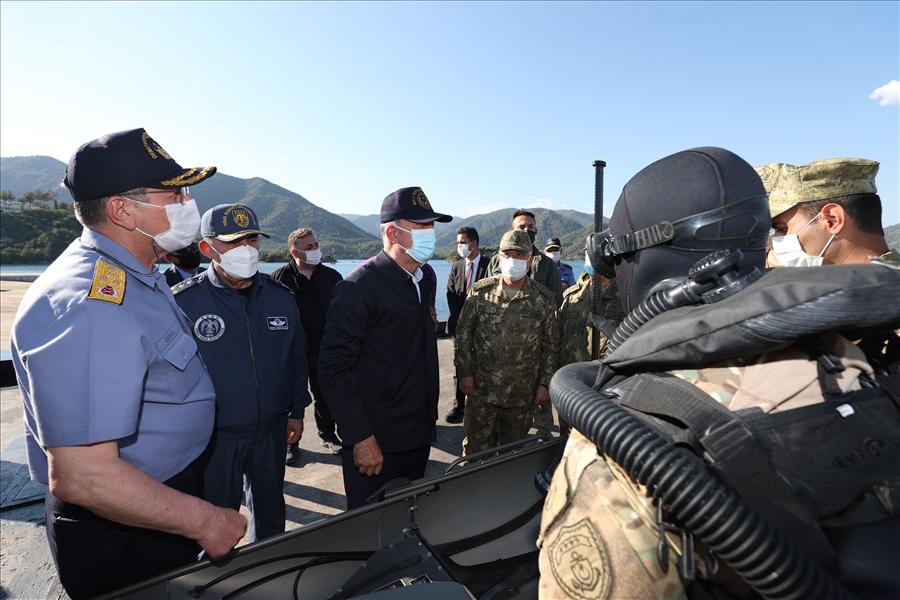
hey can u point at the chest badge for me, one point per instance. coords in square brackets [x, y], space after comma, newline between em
[209, 328]
[277, 323]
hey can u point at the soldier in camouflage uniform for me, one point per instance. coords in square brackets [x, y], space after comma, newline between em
[833, 203]
[599, 532]
[507, 348]
[577, 333]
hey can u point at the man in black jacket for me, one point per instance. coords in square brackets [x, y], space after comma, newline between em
[378, 362]
[463, 274]
[312, 284]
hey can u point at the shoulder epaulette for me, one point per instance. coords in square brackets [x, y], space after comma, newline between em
[486, 282]
[108, 283]
[187, 283]
[541, 289]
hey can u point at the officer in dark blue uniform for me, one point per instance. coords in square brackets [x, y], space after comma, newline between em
[249, 335]
[378, 361]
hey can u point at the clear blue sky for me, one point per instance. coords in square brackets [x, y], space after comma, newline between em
[483, 105]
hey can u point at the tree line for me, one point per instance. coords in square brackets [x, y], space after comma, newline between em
[35, 227]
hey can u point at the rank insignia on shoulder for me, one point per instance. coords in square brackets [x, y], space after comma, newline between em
[185, 284]
[108, 283]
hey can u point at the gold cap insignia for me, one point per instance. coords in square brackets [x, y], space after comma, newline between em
[150, 145]
[420, 199]
[108, 283]
[241, 218]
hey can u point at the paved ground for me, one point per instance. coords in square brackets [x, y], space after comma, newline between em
[313, 489]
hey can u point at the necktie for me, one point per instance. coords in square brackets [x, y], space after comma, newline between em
[468, 277]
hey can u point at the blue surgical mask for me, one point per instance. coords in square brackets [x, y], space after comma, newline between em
[588, 267]
[423, 244]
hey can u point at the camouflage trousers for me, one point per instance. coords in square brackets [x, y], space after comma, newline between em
[488, 425]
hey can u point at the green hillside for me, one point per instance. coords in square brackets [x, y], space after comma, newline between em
[20, 174]
[492, 226]
[892, 236]
[36, 236]
[281, 211]
[27, 236]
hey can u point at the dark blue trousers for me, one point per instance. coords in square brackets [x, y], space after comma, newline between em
[94, 555]
[252, 474]
[358, 487]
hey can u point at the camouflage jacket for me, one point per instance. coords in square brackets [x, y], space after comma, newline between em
[576, 332]
[599, 533]
[509, 346]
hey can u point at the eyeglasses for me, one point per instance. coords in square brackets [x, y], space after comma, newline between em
[182, 194]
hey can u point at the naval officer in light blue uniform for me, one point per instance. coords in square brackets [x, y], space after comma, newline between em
[118, 402]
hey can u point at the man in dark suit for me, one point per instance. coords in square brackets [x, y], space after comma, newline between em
[185, 264]
[463, 274]
[378, 363]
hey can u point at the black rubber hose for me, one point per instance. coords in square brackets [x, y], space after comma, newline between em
[716, 514]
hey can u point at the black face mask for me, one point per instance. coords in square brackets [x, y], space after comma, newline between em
[189, 258]
[531, 234]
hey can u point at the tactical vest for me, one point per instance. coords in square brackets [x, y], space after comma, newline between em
[827, 476]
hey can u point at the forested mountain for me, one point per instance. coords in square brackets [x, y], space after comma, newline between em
[20, 174]
[42, 234]
[280, 211]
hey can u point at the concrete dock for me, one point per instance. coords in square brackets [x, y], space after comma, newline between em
[313, 488]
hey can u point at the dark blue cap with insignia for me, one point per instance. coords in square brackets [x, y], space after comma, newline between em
[552, 243]
[410, 204]
[229, 222]
[125, 160]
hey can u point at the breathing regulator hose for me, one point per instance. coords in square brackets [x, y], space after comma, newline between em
[713, 278]
[760, 554]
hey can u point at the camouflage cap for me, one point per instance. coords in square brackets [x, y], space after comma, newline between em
[516, 239]
[789, 185]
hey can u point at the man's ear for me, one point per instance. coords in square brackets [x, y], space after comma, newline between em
[168, 259]
[206, 250]
[530, 261]
[120, 211]
[835, 218]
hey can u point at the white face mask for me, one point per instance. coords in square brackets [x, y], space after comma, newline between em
[241, 262]
[554, 255]
[184, 223]
[513, 269]
[463, 250]
[789, 253]
[313, 257]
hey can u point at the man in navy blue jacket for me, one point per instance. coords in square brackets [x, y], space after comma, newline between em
[250, 337]
[378, 364]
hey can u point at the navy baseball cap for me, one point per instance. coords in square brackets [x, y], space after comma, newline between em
[229, 222]
[125, 160]
[552, 243]
[410, 204]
